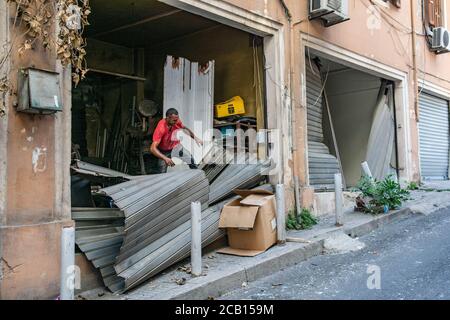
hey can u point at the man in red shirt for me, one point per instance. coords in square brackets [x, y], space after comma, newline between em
[165, 144]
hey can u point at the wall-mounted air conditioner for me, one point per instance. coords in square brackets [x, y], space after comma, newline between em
[330, 11]
[440, 42]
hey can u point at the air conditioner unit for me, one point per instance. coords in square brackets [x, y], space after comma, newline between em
[330, 11]
[440, 42]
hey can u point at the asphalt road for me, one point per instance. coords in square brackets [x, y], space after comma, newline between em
[408, 259]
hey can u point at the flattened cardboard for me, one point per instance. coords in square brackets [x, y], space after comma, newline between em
[255, 200]
[238, 217]
[239, 252]
[244, 192]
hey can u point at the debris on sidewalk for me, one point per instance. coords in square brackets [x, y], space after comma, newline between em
[341, 243]
[299, 240]
[181, 281]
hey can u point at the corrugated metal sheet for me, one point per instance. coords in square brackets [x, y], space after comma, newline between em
[322, 164]
[381, 144]
[154, 207]
[241, 174]
[124, 264]
[94, 170]
[99, 235]
[190, 89]
[434, 137]
[171, 248]
[215, 161]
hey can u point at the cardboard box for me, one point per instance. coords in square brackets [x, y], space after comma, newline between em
[250, 222]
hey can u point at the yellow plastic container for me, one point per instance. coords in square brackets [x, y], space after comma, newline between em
[230, 107]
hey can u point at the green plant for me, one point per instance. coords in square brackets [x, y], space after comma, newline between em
[412, 186]
[377, 196]
[390, 193]
[306, 221]
[367, 186]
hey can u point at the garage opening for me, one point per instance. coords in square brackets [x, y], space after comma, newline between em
[351, 119]
[129, 45]
[145, 57]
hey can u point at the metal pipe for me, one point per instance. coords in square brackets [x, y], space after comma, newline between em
[116, 74]
[281, 214]
[338, 199]
[196, 242]
[414, 56]
[333, 134]
[366, 169]
[297, 199]
[68, 276]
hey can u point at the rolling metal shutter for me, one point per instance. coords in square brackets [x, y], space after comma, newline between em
[322, 164]
[433, 137]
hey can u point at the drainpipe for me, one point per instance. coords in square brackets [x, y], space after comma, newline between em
[414, 56]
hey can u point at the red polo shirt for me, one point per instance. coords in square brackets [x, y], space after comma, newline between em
[167, 136]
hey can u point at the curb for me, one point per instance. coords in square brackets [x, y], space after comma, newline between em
[220, 286]
[233, 281]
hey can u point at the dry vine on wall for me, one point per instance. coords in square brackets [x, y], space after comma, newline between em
[36, 17]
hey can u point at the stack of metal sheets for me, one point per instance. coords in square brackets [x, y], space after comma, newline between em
[215, 161]
[154, 207]
[171, 248]
[99, 235]
[245, 173]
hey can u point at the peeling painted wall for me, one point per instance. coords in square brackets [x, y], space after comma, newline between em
[30, 218]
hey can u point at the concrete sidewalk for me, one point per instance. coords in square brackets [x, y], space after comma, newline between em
[223, 273]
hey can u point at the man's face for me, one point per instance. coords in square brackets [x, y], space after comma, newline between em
[172, 119]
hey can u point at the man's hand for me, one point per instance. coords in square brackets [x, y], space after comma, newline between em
[169, 162]
[192, 135]
[198, 141]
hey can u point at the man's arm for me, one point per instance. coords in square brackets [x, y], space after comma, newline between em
[192, 135]
[155, 151]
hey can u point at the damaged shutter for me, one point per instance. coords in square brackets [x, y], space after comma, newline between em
[381, 145]
[434, 137]
[322, 164]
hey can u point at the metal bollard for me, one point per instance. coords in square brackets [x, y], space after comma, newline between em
[281, 214]
[67, 282]
[338, 199]
[196, 240]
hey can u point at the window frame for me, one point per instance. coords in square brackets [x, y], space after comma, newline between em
[436, 21]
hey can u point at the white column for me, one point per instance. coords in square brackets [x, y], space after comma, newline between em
[338, 199]
[196, 241]
[281, 214]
